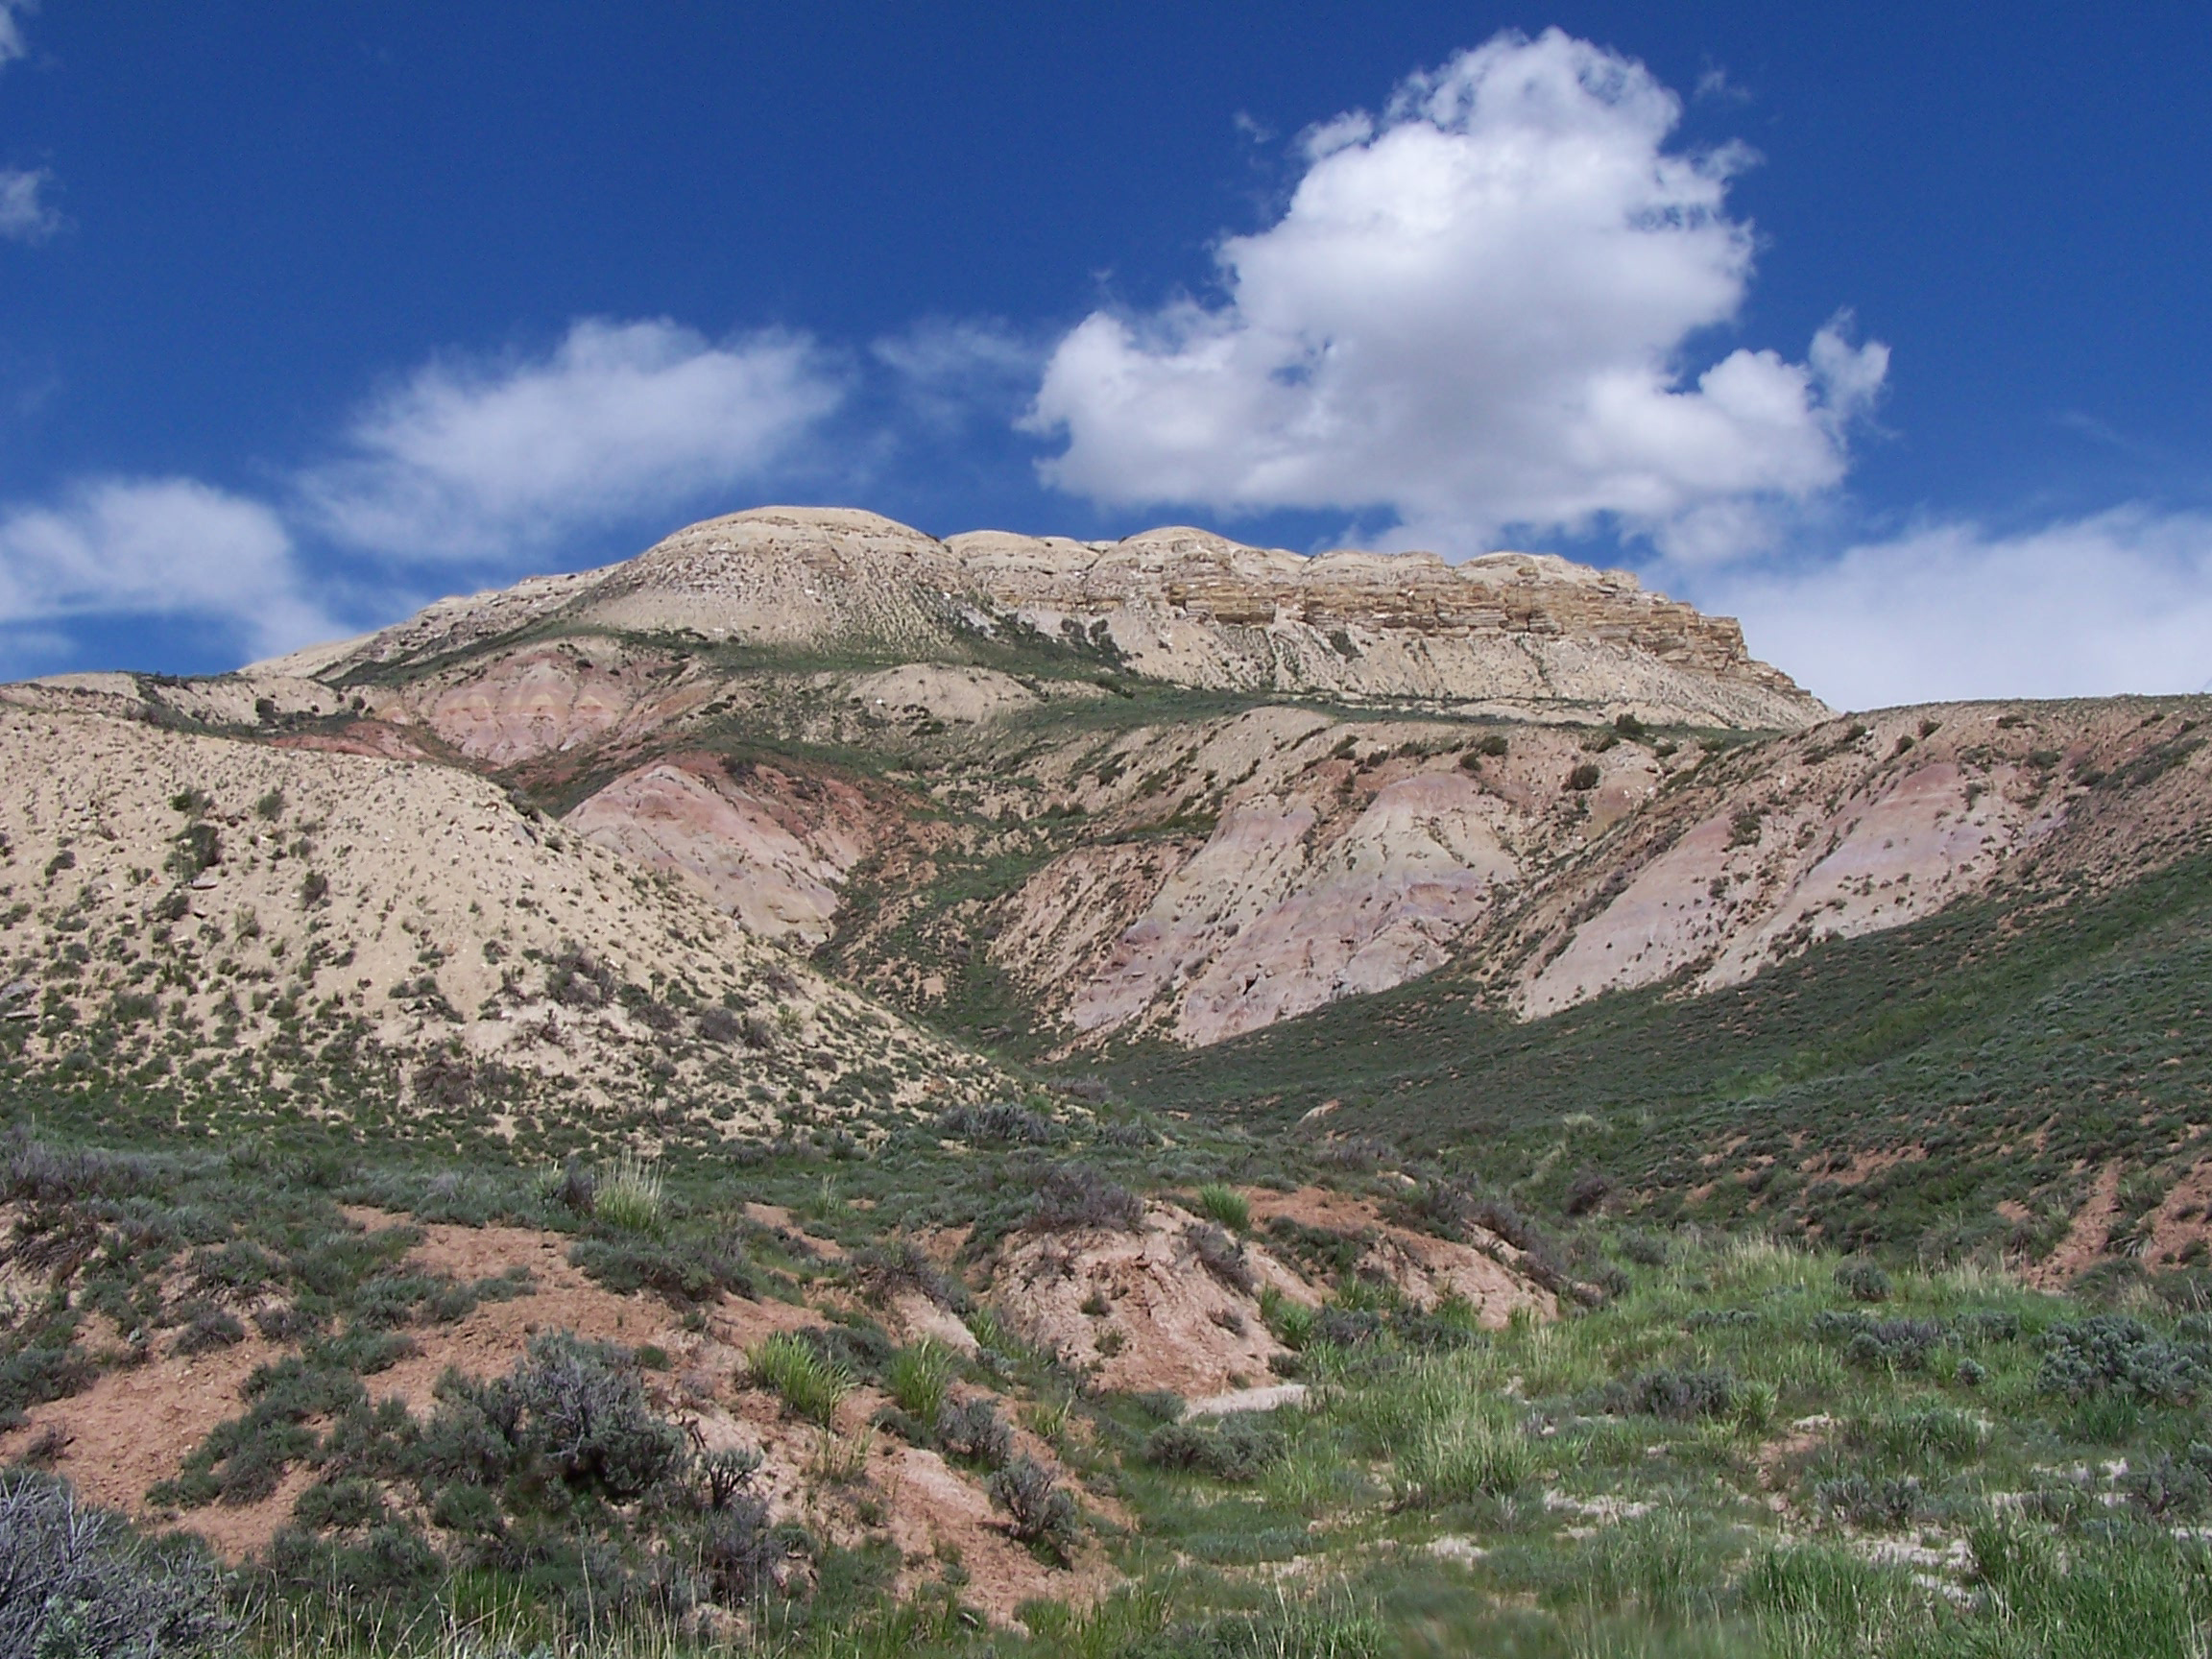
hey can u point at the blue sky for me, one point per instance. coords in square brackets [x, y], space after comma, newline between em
[1885, 327]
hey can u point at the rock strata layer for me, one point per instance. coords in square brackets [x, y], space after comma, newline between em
[1516, 631]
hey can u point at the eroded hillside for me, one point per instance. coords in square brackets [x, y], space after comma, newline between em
[1069, 795]
[297, 933]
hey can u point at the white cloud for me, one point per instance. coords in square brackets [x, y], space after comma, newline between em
[12, 15]
[156, 547]
[485, 462]
[2115, 603]
[1473, 313]
[24, 214]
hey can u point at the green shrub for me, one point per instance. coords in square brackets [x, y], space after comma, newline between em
[1887, 1503]
[572, 1407]
[207, 1328]
[812, 1384]
[682, 1273]
[975, 1431]
[1073, 1197]
[78, 1582]
[2113, 1354]
[34, 1375]
[1678, 1396]
[2167, 1489]
[1239, 1448]
[1002, 1124]
[1294, 1323]
[1863, 1280]
[888, 1270]
[1038, 1510]
[737, 1552]
[1221, 1256]
[723, 1474]
[1893, 1345]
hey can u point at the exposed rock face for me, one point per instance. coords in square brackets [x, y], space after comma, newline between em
[1138, 1310]
[769, 848]
[1855, 827]
[1512, 627]
[1513, 630]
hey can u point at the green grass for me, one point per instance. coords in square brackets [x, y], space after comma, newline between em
[628, 1196]
[1220, 1202]
[812, 1384]
[1603, 1484]
[919, 1378]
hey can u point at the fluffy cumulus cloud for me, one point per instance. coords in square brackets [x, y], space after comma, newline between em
[156, 548]
[481, 463]
[1474, 313]
[2115, 603]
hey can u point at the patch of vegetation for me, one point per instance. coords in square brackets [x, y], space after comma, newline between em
[812, 1384]
[1877, 1093]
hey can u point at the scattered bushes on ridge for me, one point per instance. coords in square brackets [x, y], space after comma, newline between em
[1074, 1196]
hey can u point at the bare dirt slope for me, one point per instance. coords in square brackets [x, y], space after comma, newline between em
[139, 1420]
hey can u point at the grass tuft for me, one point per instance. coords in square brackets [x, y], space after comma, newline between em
[628, 1195]
[811, 1384]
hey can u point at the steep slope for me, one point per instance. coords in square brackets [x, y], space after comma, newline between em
[1974, 1081]
[226, 930]
[1861, 825]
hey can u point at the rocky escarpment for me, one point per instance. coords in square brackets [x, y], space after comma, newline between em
[1513, 632]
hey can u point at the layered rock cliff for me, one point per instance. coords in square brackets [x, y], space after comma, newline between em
[1516, 633]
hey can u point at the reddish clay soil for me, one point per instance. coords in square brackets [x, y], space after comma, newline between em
[134, 1427]
[2085, 1239]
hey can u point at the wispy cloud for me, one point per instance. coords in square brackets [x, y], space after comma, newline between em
[25, 214]
[11, 14]
[156, 547]
[948, 372]
[2117, 602]
[1474, 313]
[479, 463]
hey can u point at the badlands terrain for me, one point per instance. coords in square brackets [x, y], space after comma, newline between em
[826, 1090]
